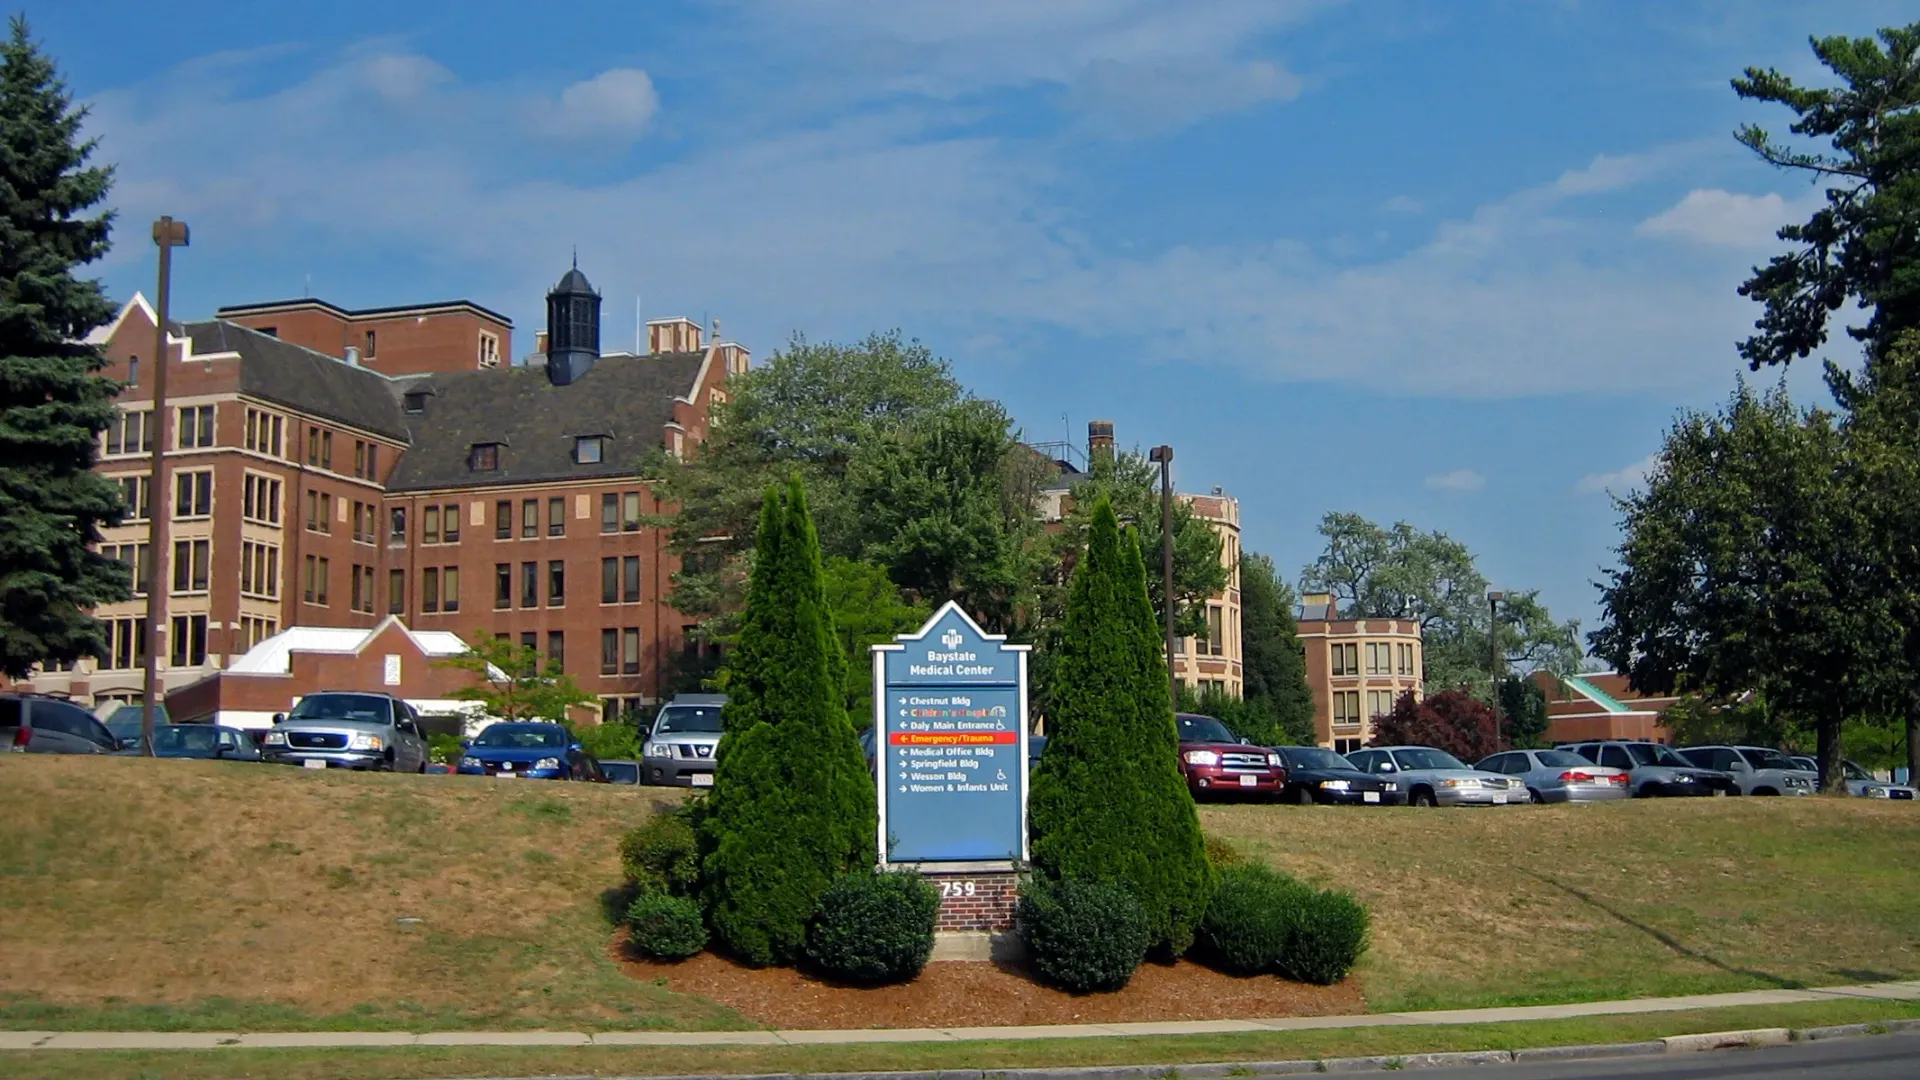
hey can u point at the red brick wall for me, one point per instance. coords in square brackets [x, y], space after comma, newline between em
[405, 343]
[989, 907]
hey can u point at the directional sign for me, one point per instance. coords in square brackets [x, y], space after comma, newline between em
[950, 713]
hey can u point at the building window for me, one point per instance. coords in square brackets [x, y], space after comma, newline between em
[610, 581]
[1345, 746]
[259, 570]
[313, 447]
[556, 583]
[556, 517]
[630, 650]
[126, 645]
[260, 499]
[134, 558]
[315, 584]
[370, 343]
[588, 449]
[489, 350]
[361, 588]
[360, 458]
[263, 432]
[430, 525]
[1379, 658]
[1406, 659]
[1216, 630]
[196, 427]
[450, 588]
[630, 519]
[188, 641]
[484, 457]
[1346, 708]
[1346, 659]
[529, 644]
[133, 371]
[609, 652]
[397, 592]
[556, 652]
[253, 630]
[363, 522]
[130, 433]
[416, 401]
[190, 565]
[319, 512]
[1379, 703]
[136, 492]
[193, 494]
[503, 520]
[430, 589]
[630, 579]
[529, 584]
[529, 518]
[609, 513]
[326, 450]
[502, 585]
[450, 528]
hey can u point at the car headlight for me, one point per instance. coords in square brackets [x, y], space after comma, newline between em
[1467, 783]
[1274, 760]
[1201, 757]
[554, 763]
[472, 763]
[1875, 791]
[1335, 785]
[275, 738]
[366, 742]
[649, 750]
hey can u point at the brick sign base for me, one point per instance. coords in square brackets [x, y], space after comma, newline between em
[978, 902]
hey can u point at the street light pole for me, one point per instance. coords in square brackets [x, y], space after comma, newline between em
[1493, 663]
[1163, 456]
[167, 235]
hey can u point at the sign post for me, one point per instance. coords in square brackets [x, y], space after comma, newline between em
[950, 725]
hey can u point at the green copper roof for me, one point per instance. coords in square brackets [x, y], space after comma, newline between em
[1605, 700]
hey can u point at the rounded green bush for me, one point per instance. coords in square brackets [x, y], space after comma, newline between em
[669, 927]
[1250, 919]
[874, 928]
[661, 856]
[1082, 936]
[1329, 933]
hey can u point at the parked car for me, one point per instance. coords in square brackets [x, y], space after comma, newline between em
[621, 772]
[347, 729]
[679, 747]
[1757, 770]
[1553, 776]
[1317, 775]
[207, 741]
[439, 768]
[1861, 784]
[124, 721]
[36, 724]
[1437, 778]
[1214, 761]
[1654, 770]
[530, 750]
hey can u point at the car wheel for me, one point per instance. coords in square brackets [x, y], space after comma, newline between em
[1648, 791]
[422, 770]
[1534, 796]
[1303, 795]
[1766, 791]
[1422, 797]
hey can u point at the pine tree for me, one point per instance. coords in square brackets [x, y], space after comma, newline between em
[1108, 802]
[792, 807]
[53, 401]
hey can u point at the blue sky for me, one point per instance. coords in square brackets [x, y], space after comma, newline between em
[1457, 264]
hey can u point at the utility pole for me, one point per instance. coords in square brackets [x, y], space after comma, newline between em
[1493, 664]
[167, 235]
[1163, 456]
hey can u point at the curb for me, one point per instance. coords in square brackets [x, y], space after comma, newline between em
[1727, 1040]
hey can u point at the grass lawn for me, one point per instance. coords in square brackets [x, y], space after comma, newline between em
[420, 1062]
[1540, 904]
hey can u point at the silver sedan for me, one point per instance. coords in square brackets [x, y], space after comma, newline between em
[1558, 776]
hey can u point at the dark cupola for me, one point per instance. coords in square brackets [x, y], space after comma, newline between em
[573, 328]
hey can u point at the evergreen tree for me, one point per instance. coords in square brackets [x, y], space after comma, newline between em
[1108, 803]
[53, 401]
[792, 807]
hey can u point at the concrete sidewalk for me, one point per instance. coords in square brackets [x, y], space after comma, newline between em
[164, 1040]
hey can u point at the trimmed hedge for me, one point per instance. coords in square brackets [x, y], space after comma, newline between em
[875, 928]
[1329, 934]
[1082, 936]
[669, 927]
[661, 856]
[1253, 914]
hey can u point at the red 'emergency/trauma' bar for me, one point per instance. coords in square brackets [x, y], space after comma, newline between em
[953, 738]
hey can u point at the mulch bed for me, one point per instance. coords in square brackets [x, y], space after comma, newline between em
[953, 993]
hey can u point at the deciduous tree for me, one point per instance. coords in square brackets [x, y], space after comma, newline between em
[1451, 720]
[514, 682]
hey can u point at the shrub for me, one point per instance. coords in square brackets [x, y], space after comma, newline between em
[1328, 935]
[1082, 936]
[1251, 918]
[1222, 854]
[660, 856]
[875, 927]
[669, 927]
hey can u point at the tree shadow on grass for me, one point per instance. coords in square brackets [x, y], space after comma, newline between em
[1671, 942]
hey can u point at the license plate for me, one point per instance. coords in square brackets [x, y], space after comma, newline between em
[507, 775]
[701, 779]
[1249, 781]
[1499, 800]
[313, 763]
[1369, 796]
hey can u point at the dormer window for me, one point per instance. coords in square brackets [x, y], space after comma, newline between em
[484, 457]
[416, 401]
[589, 449]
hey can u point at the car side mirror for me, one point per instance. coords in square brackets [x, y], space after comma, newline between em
[466, 744]
[279, 718]
[126, 744]
[1244, 741]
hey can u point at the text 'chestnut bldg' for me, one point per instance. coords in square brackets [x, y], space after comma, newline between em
[329, 468]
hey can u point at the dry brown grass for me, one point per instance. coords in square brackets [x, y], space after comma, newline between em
[174, 882]
[1643, 897]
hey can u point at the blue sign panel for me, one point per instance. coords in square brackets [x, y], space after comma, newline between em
[950, 716]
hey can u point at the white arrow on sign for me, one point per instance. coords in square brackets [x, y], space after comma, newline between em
[903, 787]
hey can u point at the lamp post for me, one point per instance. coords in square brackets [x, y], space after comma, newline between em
[1163, 456]
[1493, 663]
[167, 235]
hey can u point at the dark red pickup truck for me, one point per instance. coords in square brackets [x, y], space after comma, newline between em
[1214, 762]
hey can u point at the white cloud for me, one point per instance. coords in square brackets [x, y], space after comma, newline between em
[1129, 99]
[1725, 218]
[618, 101]
[1620, 481]
[1457, 480]
[1403, 204]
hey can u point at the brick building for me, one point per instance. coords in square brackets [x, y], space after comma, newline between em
[1600, 705]
[1358, 668]
[329, 468]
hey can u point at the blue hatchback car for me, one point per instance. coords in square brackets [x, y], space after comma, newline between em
[536, 751]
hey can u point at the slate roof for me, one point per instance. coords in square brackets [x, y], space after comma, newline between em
[627, 398]
[299, 378]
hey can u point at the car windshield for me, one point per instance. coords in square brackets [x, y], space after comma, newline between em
[1422, 757]
[682, 719]
[1646, 753]
[522, 737]
[1204, 729]
[1761, 758]
[1855, 772]
[184, 738]
[1313, 757]
[1560, 759]
[361, 708]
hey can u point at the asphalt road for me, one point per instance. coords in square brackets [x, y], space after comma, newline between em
[1875, 1057]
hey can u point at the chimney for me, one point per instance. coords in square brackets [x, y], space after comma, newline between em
[353, 356]
[1100, 441]
[540, 342]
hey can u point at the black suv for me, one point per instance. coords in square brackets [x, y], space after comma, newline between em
[35, 724]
